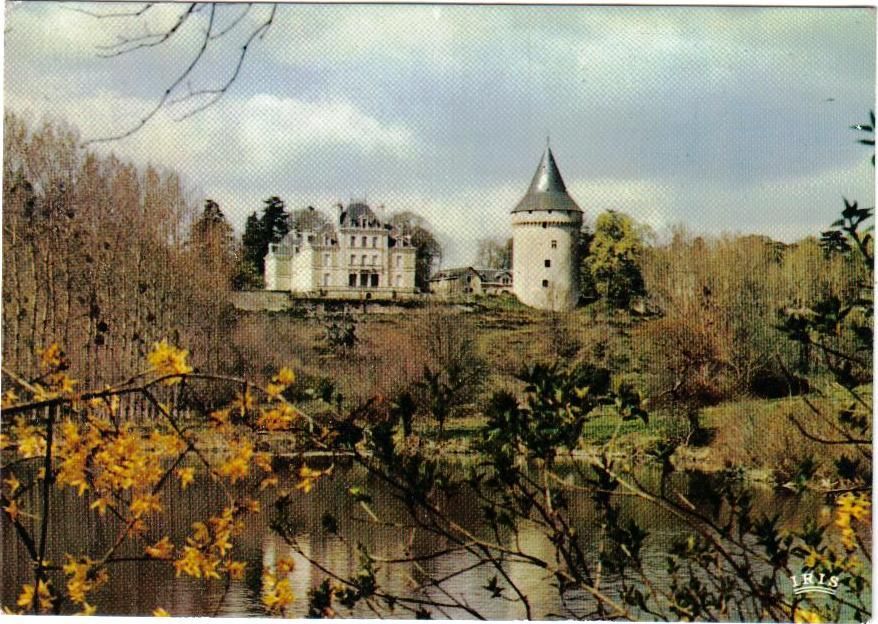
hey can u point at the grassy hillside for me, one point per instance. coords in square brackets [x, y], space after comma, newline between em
[393, 348]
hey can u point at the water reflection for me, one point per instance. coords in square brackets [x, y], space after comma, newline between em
[139, 588]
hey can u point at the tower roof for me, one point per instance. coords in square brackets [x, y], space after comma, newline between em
[547, 190]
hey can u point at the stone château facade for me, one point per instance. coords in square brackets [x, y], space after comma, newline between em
[363, 257]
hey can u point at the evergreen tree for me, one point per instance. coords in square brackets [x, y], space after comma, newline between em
[259, 233]
[275, 222]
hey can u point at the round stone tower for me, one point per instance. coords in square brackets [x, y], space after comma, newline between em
[545, 233]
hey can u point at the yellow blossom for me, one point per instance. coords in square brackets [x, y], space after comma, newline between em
[9, 398]
[31, 442]
[274, 390]
[87, 609]
[13, 511]
[238, 463]
[51, 357]
[61, 383]
[144, 504]
[267, 482]
[244, 401]
[277, 595]
[100, 504]
[263, 461]
[13, 483]
[219, 418]
[159, 612]
[166, 359]
[307, 477]
[804, 616]
[162, 549]
[190, 562]
[285, 376]
[82, 578]
[187, 476]
[284, 566]
[44, 595]
[236, 569]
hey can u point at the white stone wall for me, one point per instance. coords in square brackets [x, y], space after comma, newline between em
[302, 270]
[540, 236]
[277, 272]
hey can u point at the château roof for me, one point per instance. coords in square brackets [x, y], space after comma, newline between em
[358, 213]
[547, 190]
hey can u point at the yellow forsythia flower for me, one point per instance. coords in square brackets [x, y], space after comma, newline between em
[13, 483]
[236, 569]
[285, 376]
[160, 613]
[803, 616]
[162, 549]
[51, 356]
[187, 476]
[166, 359]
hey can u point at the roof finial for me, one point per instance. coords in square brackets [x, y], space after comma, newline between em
[547, 140]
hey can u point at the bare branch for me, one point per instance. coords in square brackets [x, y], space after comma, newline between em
[214, 95]
[141, 42]
[209, 95]
[138, 13]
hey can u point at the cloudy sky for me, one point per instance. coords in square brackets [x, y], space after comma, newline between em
[722, 119]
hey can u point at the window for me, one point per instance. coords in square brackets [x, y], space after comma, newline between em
[353, 241]
[364, 280]
[326, 259]
[374, 259]
[353, 259]
[326, 279]
[352, 279]
[374, 282]
[545, 283]
[399, 280]
[398, 261]
[364, 241]
[548, 263]
[374, 241]
[545, 225]
[554, 244]
[363, 259]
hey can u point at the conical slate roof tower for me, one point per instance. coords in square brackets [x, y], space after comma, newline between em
[545, 233]
[547, 190]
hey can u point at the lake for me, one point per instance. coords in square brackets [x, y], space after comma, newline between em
[139, 588]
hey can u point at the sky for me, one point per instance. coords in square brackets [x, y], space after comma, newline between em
[724, 120]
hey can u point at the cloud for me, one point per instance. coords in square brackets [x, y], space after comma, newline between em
[282, 130]
[723, 118]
